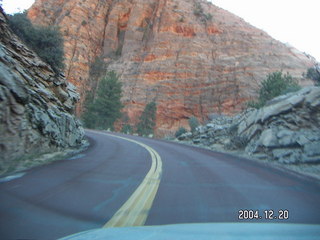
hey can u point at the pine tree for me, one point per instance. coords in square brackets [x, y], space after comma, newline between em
[275, 85]
[147, 120]
[105, 109]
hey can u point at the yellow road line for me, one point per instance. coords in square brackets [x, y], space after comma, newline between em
[135, 210]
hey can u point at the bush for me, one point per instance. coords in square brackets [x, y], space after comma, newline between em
[147, 120]
[198, 10]
[180, 131]
[127, 129]
[193, 123]
[275, 85]
[208, 16]
[104, 110]
[47, 42]
[314, 75]
[238, 142]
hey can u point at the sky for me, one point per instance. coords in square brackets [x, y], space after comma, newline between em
[291, 21]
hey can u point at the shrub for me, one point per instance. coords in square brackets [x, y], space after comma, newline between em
[314, 74]
[198, 10]
[208, 16]
[127, 129]
[275, 85]
[104, 110]
[47, 42]
[238, 142]
[147, 121]
[193, 123]
[180, 131]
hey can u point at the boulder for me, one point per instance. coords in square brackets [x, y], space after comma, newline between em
[287, 130]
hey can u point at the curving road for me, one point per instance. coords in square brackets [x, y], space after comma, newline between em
[138, 181]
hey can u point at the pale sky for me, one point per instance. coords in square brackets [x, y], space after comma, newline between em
[290, 21]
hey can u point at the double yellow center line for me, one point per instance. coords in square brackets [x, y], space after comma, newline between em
[135, 210]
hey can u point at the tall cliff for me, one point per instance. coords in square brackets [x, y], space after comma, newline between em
[190, 56]
[36, 107]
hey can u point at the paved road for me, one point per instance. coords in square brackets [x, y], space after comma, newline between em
[196, 186]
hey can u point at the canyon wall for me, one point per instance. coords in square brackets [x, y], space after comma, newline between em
[36, 106]
[190, 56]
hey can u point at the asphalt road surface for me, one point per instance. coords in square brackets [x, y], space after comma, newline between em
[161, 182]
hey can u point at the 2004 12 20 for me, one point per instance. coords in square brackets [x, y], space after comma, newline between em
[267, 214]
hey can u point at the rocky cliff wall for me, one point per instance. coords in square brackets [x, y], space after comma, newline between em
[287, 129]
[191, 57]
[36, 107]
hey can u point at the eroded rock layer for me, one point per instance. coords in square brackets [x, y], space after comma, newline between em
[287, 129]
[36, 107]
[191, 57]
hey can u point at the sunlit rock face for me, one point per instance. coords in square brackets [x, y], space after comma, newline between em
[36, 106]
[191, 60]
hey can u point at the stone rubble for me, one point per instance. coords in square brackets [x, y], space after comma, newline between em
[286, 130]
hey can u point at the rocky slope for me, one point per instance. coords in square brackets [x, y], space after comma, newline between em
[36, 107]
[287, 129]
[191, 57]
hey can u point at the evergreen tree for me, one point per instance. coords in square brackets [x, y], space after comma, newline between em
[275, 85]
[314, 74]
[105, 109]
[147, 120]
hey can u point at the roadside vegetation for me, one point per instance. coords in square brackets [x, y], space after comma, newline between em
[102, 111]
[147, 123]
[314, 74]
[47, 42]
[180, 131]
[103, 107]
[193, 123]
[274, 85]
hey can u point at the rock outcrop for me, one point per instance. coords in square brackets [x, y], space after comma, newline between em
[287, 129]
[36, 107]
[191, 57]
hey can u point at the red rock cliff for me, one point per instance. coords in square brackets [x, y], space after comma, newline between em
[191, 59]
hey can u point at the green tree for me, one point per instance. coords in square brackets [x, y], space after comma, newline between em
[89, 117]
[314, 74]
[275, 85]
[105, 109]
[127, 129]
[147, 121]
[47, 42]
[193, 123]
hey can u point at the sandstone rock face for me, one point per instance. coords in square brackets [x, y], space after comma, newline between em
[286, 130]
[36, 107]
[190, 64]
